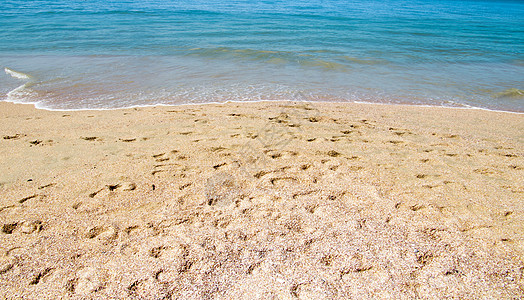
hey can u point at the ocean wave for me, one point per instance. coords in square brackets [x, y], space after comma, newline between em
[362, 61]
[511, 93]
[22, 93]
[16, 74]
[306, 59]
[320, 58]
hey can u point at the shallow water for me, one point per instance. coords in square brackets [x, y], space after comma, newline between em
[99, 54]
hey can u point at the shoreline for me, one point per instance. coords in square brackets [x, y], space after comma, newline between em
[464, 107]
[284, 198]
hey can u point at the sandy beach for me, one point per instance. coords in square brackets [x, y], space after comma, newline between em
[267, 200]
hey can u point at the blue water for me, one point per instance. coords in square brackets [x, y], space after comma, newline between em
[111, 54]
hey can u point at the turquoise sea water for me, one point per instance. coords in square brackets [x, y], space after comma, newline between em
[111, 54]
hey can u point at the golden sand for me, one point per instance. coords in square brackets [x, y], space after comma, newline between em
[270, 200]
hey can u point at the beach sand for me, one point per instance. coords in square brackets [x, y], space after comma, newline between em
[267, 200]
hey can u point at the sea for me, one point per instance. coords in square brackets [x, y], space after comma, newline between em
[94, 54]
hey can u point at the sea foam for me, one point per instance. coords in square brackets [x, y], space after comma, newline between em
[23, 92]
[16, 74]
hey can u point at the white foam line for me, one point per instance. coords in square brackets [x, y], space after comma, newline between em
[38, 105]
[466, 107]
[14, 95]
[16, 74]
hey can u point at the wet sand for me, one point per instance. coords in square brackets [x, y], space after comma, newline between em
[269, 200]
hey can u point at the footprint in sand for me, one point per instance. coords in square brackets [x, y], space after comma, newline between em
[127, 140]
[333, 153]
[88, 280]
[221, 190]
[102, 232]
[159, 155]
[35, 142]
[148, 288]
[28, 198]
[41, 276]
[29, 227]
[314, 290]
[217, 166]
[124, 186]
[279, 181]
[7, 263]
[485, 171]
[13, 137]
[8, 228]
[128, 186]
[46, 186]
[305, 167]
